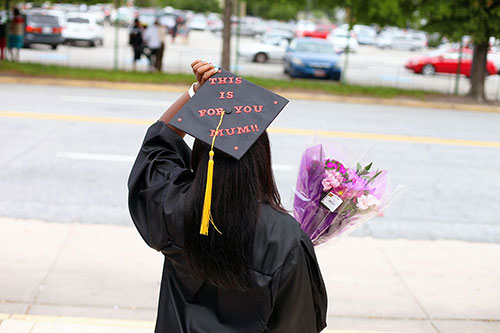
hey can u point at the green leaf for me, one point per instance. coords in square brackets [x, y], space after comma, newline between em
[374, 176]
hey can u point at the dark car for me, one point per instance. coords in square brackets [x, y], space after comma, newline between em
[312, 57]
[42, 28]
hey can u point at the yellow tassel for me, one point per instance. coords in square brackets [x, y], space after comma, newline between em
[206, 216]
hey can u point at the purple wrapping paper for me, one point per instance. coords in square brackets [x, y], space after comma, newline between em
[315, 219]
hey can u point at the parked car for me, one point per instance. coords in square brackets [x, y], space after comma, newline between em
[83, 27]
[446, 62]
[42, 28]
[198, 22]
[277, 36]
[147, 16]
[365, 34]
[340, 38]
[263, 52]
[312, 57]
[411, 41]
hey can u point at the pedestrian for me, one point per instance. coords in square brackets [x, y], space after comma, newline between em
[16, 34]
[153, 44]
[3, 31]
[175, 28]
[248, 266]
[137, 42]
[162, 35]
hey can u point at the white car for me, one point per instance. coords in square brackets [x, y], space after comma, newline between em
[198, 22]
[365, 34]
[340, 38]
[83, 27]
[411, 41]
[263, 52]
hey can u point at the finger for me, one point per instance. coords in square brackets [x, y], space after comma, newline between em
[195, 62]
[199, 64]
[201, 70]
[208, 74]
[197, 67]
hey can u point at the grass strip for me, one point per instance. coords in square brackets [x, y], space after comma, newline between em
[298, 85]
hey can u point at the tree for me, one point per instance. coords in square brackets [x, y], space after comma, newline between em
[399, 13]
[275, 10]
[195, 5]
[226, 34]
[479, 19]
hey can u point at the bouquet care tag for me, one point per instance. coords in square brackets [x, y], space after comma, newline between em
[331, 201]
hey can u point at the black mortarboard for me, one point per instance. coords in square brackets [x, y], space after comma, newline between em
[249, 110]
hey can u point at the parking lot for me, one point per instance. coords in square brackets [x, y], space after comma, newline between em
[368, 66]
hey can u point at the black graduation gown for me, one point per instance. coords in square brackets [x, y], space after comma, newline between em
[289, 293]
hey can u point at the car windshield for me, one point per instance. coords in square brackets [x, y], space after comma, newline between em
[43, 19]
[78, 20]
[315, 47]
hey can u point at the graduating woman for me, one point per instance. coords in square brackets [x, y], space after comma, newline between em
[254, 270]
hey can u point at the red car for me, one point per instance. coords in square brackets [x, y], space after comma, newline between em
[446, 62]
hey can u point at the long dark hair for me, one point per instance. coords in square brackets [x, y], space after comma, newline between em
[239, 187]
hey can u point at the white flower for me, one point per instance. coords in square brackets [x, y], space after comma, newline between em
[367, 201]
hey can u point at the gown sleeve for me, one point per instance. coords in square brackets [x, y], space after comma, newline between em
[300, 303]
[159, 179]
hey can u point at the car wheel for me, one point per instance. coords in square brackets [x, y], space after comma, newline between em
[92, 43]
[260, 57]
[428, 70]
[54, 47]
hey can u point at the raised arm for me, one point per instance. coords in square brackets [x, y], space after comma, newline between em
[202, 70]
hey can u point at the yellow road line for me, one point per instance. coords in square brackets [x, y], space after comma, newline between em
[103, 322]
[388, 137]
[276, 130]
[81, 320]
[76, 118]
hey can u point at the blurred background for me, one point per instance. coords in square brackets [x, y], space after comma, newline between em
[411, 84]
[394, 43]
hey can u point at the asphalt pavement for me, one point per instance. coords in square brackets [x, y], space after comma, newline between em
[66, 153]
[71, 261]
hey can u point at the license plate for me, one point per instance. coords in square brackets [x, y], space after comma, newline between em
[319, 73]
[47, 30]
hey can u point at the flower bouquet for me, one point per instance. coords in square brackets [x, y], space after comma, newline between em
[332, 199]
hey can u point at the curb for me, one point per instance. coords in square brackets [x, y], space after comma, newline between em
[291, 95]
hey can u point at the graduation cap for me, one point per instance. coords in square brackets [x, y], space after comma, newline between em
[249, 110]
[228, 113]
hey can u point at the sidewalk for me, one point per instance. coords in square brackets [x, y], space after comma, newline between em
[103, 278]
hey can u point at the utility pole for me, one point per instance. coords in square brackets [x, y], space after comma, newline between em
[457, 76]
[226, 35]
[347, 49]
[117, 28]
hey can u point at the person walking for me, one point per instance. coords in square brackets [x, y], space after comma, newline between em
[16, 35]
[162, 35]
[3, 43]
[153, 43]
[137, 42]
[235, 260]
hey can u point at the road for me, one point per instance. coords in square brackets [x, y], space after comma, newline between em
[66, 153]
[369, 66]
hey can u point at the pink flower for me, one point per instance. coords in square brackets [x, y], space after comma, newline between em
[332, 180]
[367, 201]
